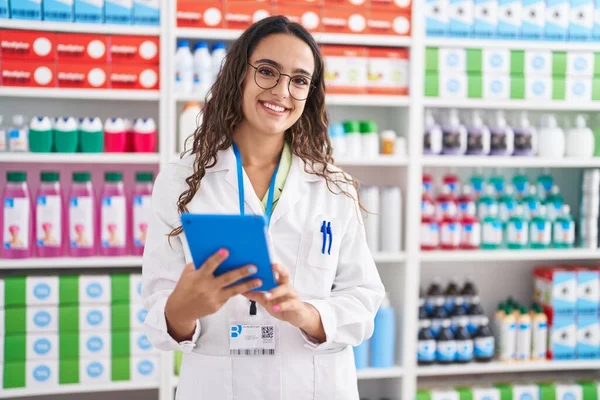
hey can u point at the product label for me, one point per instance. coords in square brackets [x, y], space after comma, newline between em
[492, 233]
[48, 221]
[16, 223]
[3, 140]
[446, 350]
[484, 347]
[450, 234]
[430, 234]
[81, 222]
[540, 232]
[564, 232]
[471, 234]
[507, 209]
[446, 209]
[142, 210]
[464, 350]
[113, 221]
[17, 140]
[517, 233]
[426, 350]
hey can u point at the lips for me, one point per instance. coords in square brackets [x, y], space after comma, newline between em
[274, 107]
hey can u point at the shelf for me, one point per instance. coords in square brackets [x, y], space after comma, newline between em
[324, 38]
[517, 105]
[508, 162]
[80, 158]
[72, 262]
[382, 257]
[497, 367]
[509, 255]
[80, 94]
[512, 44]
[380, 373]
[78, 388]
[380, 161]
[79, 28]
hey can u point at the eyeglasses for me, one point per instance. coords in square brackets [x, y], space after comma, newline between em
[267, 76]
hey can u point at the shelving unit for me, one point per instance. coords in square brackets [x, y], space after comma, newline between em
[556, 105]
[509, 255]
[80, 158]
[79, 389]
[80, 94]
[510, 44]
[508, 162]
[107, 29]
[496, 367]
[71, 262]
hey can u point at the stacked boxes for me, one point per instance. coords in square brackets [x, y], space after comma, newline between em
[75, 329]
[589, 209]
[582, 390]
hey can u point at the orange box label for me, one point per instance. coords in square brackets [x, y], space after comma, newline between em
[356, 5]
[392, 5]
[240, 15]
[304, 14]
[193, 14]
[299, 2]
[85, 76]
[73, 48]
[19, 73]
[345, 69]
[387, 23]
[388, 71]
[134, 49]
[343, 20]
[25, 45]
[144, 77]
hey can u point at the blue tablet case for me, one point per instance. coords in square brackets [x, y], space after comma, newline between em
[243, 236]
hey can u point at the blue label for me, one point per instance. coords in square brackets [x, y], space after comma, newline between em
[95, 369]
[94, 290]
[106, 201]
[137, 200]
[41, 373]
[141, 316]
[453, 85]
[42, 319]
[464, 350]
[484, 347]
[41, 291]
[9, 202]
[538, 62]
[95, 318]
[468, 227]
[42, 346]
[74, 202]
[538, 88]
[452, 60]
[446, 351]
[579, 88]
[95, 344]
[496, 60]
[41, 201]
[426, 350]
[145, 368]
[236, 330]
[143, 343]
[525, 396]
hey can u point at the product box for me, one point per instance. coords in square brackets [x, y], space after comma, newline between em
[38, 319]
[452, 59]
[146, 12]
[392, 6]
[496, 86]
[557, 19]
[39, 290]
[578, 88]
[596, 30]
[581, 22]
[118, 12]
[58, 10]
[441, 394]
[144, 368]
[461, 18]
[240, 15]
[82, 76]
[94, 345]
[538, 88]
[533, 19]
[4, 14]
[26, 9]
[27, 73]
[140, 345]
[572, 391]
[453, 85]
[497, 61]
[343, 20]
[307, 15]
[509, 19]
[485, 393]
[81, 48]
[135, 291]
[94, 289]
[556, 290]
[31, 347]
[194, 14]
[485, 22]
[437, 20]
[388, 71]
[95, 370]
[562, 337]
[538, 63]
[385, 23]
[580, 63]
[144, 77]
[588, 337]
[345, 69]
[519, 392]
[89, 11]
[94, 318]
[27, 46]
[134, 49]
[41, 374]
[588, 292]
[356, 4]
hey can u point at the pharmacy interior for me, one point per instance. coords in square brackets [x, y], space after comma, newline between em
[473, 122]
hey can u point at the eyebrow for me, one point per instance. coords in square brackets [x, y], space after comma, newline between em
[279, 66]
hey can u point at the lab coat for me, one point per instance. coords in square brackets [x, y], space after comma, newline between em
[344, 286]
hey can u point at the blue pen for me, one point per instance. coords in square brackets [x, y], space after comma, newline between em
[324, 232]
[330, 237]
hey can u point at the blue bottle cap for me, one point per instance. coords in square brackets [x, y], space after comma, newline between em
[336, 130]
[183, 43]
[200, 45]
[218, 45]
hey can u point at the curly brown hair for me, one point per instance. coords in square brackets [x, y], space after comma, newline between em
[222, 113]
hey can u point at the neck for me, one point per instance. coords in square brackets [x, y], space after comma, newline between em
[258, 150]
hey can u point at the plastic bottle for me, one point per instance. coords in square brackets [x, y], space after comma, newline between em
[203, 76]
[189, 120]
[66, 135]
[487, 202]
[524, 335]
[507, 204]
[17, 217]
[497, 182]
[446, 206]
[427, 184]
[478, 184]
[468, 292]
[446, 344]
[450, 294]
[391, 221]
[91, 135]
[427, 346]
[3, 137]
[491, 229]
[508, 336]
[361, 355]
[452, 182]
[142, 210]
[540, 230]
[539, 334]
[520, 184]
[18, 135]
[387, 142]
[353, 139]
[454, 135]
[40, 135]
[564, 229]
[383, 340]
[113, 216]
[144, 135]
[531, 203]
[503, 137]
[544, 185]
[450, 233]
[218, 54]
[517, 232]
[430, 229]
[580, 140]
[82, 217]
[338, 140]
[475, 312]
[50, 217]
[433, 294]
[525, 136]
[369, 136]
[464, 342]
[552, 138]
[554, 202]
[458, 311]
[184, 68]
[484, 343]
[128, 135]
[438, 315]
[466, 202]
[499, 316]
[478, 136]
[115, 135]
[432, 137]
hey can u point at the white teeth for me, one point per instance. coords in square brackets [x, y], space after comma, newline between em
[274, 107]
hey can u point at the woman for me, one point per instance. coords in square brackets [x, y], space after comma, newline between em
[266, 112]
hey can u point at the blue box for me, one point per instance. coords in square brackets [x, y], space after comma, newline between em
[486, 18]
[436, 17]
[461, 19]
[562, 338]
[557, 19]
[588, 292]
[596, 30]
[534, 19]
[58, 10]
[588, 337]
[509, 19]
[146, 12]
[119, 12]
[26, 9]
[4, 9]
[89, 11]
[581, 22]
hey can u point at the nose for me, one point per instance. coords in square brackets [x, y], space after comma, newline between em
[281, 90]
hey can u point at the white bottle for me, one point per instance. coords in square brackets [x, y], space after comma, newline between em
[391, 218]
[18, 135]
[478, 136]
[454, 135]
[524, 335]
[189, 120]
[502, 136]
[370, 199]
[3, 143]
[526, 136]
[184, 68]
[551, 143]
[218, 56]
[432, 138]
[580, 140]
[508, 337]
[202, 68]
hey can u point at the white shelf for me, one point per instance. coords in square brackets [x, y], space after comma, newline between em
[79, 28]
[80, 158]
[80, 94]
[72, 262]
[496, 367]
[509, 255]
[508, 162]
[533, 105]
[380, 373]
[380, 161]
[78, 388]
[382, 257]
[512, 44]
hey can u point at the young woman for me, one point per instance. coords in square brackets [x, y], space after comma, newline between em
[265, 119]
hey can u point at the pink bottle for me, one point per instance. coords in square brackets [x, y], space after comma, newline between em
[470, 232]
[142, 210]
[113, 216]
[115, 135]
[50, 217]
[82, 217]
[129, 135]
[144, 135]
[450, 233]
[17, 223]
[427, 184]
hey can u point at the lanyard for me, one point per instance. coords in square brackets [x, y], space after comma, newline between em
[240, 177]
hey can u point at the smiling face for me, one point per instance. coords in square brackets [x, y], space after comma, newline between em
[273, 111]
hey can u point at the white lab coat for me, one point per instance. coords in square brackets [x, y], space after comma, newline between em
[344, 287]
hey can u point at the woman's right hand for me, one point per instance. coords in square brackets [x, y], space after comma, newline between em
[199, 293]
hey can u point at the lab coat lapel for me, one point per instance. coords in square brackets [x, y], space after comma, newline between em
[252, 203]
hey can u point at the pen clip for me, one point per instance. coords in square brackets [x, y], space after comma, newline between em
[330, 237]
[324, 232]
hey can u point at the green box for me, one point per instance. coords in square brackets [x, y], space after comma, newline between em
[120, 343]
[517, 62]
[559, 88]
[14, 291]
[517, 87]
[475, 86]
[68, 371]
[15, 321]
[465, 393]
[14, 375]
[120, 288]
[68, 290]
[431, 59]
[559, 63]
[474, 61]
[120, 368]
[68, 319]
[15, 348]
[432, 84]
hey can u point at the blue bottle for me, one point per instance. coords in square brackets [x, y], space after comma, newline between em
[361, 355]
[383, 341]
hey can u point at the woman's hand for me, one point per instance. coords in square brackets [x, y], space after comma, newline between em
[283, 303]
[199, 293]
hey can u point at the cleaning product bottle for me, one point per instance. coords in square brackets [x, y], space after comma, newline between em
[430, 229]
[434, 293]
[517, 232]
[144, 135]
[450, 294]
[66, 135]
[552, 138]
[450, 233]
[142, 210]
[49, 216]
[484, 342]
[491, 228]
[353, 139]
[503, 137]
[520, 184]
[525, 136]
[554, 202]
[498, 183]
[82, 216]
[113, 216]
[218, 54]
[475, 312]
[540, 230]
[507, 204]
[564, 229]
[454, 135]
[17, 216]
[478, 136]
[470, 232]
[202, 68]
[361, 355]
[338, 140]
[468, 293]
[427, 346]
[427, 184]
[458, 312]
[452, 182]
[369, 137]
[18, 135]
[446, 204]
[531, 203]
[128, 135]
[539, 334]
[432, 137]
[464, 342]
[580, 140]
[499, 316]
[40, 135]
[115, 135]
[446, 344]
[383, 340]
[466, 202]
[91, 135]
[524, 335]
[544, 185]
[184, 68]
[478, 183]
[438, 316]
[189, 120]
[3, 137]
[508, 336]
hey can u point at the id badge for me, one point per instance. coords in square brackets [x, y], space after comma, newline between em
[252, 339]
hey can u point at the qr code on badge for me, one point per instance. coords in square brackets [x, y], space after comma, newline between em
[267, 332]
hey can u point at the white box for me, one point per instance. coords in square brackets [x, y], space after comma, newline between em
[462, 17]
[41, 374]
[580, 63]
[94, 370]
[26, 9]
[558, 16]
[2, 327]
[146, 12]
[137, 316]
[42, 347]
[135, 291]
[2, 294]
[579, 89]
[58, 10]
[496, 86]
[538, 62]
[531, 392]
[596, 31]
[534, 19]
[144, 368]
[485, 18]
[445, 395]
[94, 319]
[509, 18]
[538, 88]
[42, 319]
[452, 59]
[486, 393]
[453, 85]
[571, 391]
[41, 290]
[588, 337]
[140, 345]
[95, 345]
[436, 17]
[496, 61]
[118, 12]
[94, 289]
[581, 20]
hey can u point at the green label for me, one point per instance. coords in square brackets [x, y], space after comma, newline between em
[120, 317]
[121, 368]
[596, 88]
[596, 64]
[14, 291]
[517, 87]
[120, 343]
[14, 375]
[68, 290]
[119, 288]
[68, 319]
[559, 88]
[517, 62]
[475, 86]
[432, 84]
[68, 371]
[15, 348]
[15, 321]
[474, 60]
[559, 63]
[431, 59]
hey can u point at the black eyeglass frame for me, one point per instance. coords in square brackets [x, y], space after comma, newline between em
[311, 85]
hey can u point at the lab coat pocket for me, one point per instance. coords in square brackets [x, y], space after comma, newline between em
[335, 376]
[205, 378]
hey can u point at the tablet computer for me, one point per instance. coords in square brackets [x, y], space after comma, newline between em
[244, 236]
